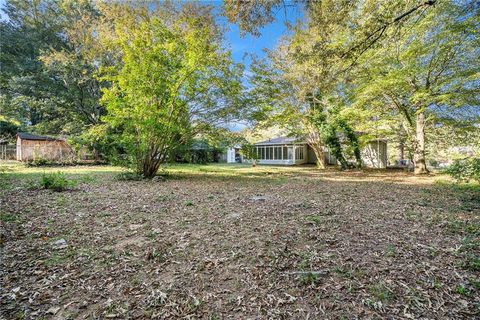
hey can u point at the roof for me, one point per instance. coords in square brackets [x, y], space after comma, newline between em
[296, 140]
[28, 136]
[281, 140]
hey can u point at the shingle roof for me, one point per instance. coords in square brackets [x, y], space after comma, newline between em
[281, 140]
[28, 136]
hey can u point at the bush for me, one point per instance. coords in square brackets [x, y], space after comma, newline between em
[129, 176]
[39, 162]
[56, 181]
[465, 170]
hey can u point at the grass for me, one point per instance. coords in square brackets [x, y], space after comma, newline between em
[356, 243]
[7, 217]
[380, 292]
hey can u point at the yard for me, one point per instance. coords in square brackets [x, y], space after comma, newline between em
[232, 241]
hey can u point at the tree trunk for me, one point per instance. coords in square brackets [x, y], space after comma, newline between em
[320, 154]
[316, 144]
[401, 151]
[419, 145]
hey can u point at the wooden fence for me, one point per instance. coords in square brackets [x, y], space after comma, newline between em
[8, 152]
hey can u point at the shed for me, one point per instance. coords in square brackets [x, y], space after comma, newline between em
[33, 147]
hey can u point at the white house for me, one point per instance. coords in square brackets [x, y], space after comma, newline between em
[293, 151]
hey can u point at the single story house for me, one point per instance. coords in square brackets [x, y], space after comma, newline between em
[293, 151]
[33, 147]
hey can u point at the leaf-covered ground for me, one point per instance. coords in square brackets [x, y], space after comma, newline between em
[217, 242]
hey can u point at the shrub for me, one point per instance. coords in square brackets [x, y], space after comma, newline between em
[129, 176]
[39, 162]
[56, 181]
[465, 170]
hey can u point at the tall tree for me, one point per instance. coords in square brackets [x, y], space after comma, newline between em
[424, 69]
[174, 79]
[27, 91]
[49, 56]
[74, 66]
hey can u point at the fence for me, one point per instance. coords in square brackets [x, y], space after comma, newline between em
[8, 152]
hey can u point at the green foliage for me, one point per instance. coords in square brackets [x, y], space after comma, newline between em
[197, 151]
[48, 57]
[380, 292]
[465, 170]
[173, 69]
[335, 132]
[8, 217]
[57, 181]
[308, 278]
[424, 74]
[129, 176]
[8, 128]
[249, 151]
[39, 162]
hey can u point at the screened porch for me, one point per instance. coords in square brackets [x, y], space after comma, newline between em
[281, 154]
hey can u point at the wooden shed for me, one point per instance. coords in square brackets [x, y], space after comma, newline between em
[32, 147]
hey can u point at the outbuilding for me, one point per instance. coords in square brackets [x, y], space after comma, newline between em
[33, 147]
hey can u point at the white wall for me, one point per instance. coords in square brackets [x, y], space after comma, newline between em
[374, 155]
[231, 155]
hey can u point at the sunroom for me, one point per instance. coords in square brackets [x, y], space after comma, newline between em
[282, 150]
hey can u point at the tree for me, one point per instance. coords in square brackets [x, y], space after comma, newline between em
[369, 20]
[249, 152]
[323, 59]
[27, 92]
[74, 65]
[49, 57]
[427, 68]
[174, 80]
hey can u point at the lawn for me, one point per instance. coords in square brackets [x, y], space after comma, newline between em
[232, 241]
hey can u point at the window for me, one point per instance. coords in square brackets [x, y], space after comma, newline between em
[262, 152]
[284, 153]
[278, 153]
[299, 153]
[290, 153]
[269, 153]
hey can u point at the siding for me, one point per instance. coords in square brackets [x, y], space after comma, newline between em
[29, 150]
[374, 155]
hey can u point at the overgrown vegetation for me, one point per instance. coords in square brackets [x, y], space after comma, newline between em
[465, 170]
[56, 181]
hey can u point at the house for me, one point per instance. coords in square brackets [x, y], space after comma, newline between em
[294, 151]
[32, 147]
[234, 155]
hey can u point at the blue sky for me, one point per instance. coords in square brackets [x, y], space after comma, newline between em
[249, 44]
[244, 46]
[270, 34]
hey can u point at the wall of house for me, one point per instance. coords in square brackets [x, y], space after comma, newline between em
[312, 157]
[29, 150]
[374, 155]
[304, 150]
[282, 154]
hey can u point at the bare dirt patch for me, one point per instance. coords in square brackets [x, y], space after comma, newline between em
[312, 245]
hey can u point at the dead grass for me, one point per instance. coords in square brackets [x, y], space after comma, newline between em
[238, 242]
